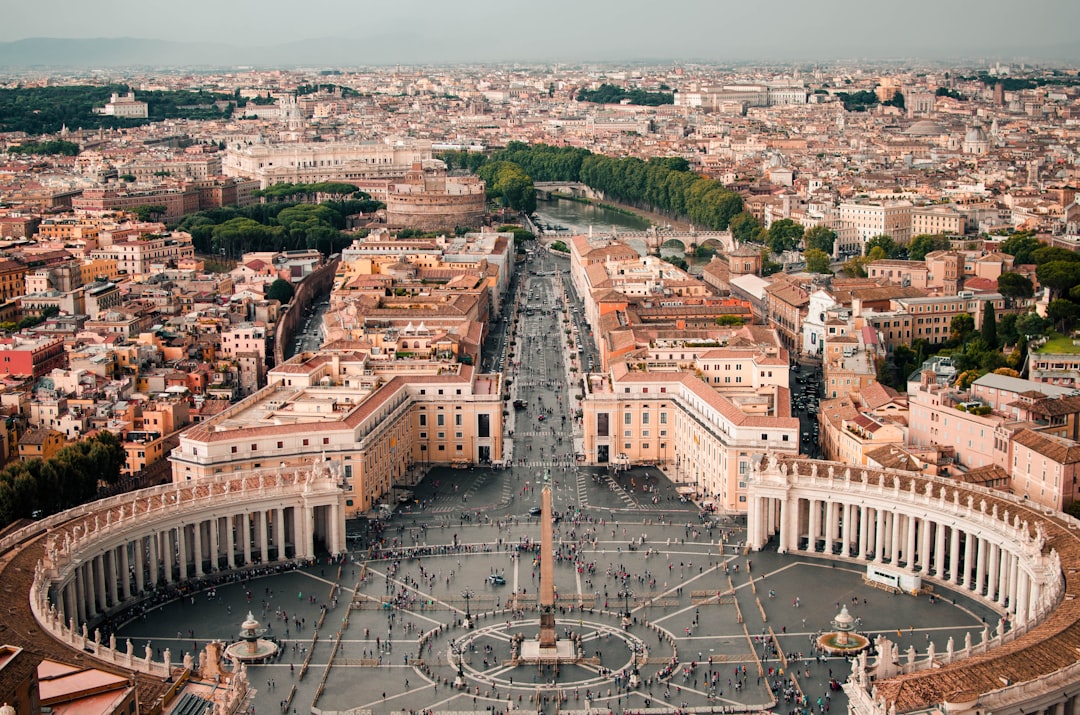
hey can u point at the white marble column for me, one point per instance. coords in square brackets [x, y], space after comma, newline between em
[278, 533]
[814, 525]
[125, 572]
[172, 539]
[879, 535]
[969, 560]
[215, 550]
[111, 576]
[894, 541]
[910, 524]
[924, 547]
[1023, 596]
[80, 594]
[980, 566]
[753, 522]
[68, 602]
[245, 537]
[154, 540]
[993, 554]
[939, 550]
[99, 584]
[954, 555]
[1003, 577]
[197, 528]
[830, 524]
[264, 540]
[230, 539]
[140, 564]
[864, 529]
[785, 528]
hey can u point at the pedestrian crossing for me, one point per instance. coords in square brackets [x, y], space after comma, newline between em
[582, 491]
[543, 463]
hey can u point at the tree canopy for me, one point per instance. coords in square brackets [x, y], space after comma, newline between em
[926, 243]
[784, 235]
[817, 261]
[612, 94]
[280, 290]
[820, 237]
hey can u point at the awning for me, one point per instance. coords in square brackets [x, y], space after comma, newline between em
[686, 490]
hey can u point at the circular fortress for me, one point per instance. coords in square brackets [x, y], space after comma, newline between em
[429, 200]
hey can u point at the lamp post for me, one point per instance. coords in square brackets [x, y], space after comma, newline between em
[459, 679]
[626, 607]
[467, 594]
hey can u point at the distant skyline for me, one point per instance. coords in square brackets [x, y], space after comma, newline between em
[422, 31]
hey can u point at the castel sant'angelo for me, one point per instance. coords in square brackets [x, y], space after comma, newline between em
[430, 200]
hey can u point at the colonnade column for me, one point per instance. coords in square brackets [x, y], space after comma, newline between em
[215, 552]
[909, 542]
[111, 575]
[754, 520]
[894, 541]
[1003, 576]
[140, 564]
[785, 528]
[80, 594]
[830, 524]
[864, 514]
[125, 573]
[181, 551]
[814, 525]
[230, 540]
[954, 555]
[1023, 595]
[264, 542]
[279, 532]
[245, 536]
[879, 535]
[197, 528]
[994, 557]
[154, 573]
[969, 559]
[939, 550]
[99, 584]
[980, 566]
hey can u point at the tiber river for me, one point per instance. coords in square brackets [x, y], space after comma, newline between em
[576, 217]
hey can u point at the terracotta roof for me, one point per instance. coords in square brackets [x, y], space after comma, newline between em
[1057, 449]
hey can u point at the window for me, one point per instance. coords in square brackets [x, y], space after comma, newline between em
[457, 420]
[602, 424]
[645, 446]
[644, 418]
[423, 420]
[423, 435]
[234, 450]
[457, 435]
[459, 448]
[626, 418]
[626, 445]
[663, 418]
[628, 433]
[280, 445]
[305, 442]
[326, 440]
[483, 425]
[254, 448]
[440, 435]
[440, 420]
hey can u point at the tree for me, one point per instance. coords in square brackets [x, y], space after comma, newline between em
[989, 326]
[856, 266]
[820, 237]
[280, 290]
[730, 320]
[744, 227]
[1021, 246]
[1062, 313]
[1006, 329]
[784, 235]
[817, 261]
[886, 243]
[927, 243]
[1013, 285]
[961, 327]
[1029, 325]
[768, 265]
[1059, 276]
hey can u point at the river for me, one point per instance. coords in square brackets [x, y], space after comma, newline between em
[578, 216]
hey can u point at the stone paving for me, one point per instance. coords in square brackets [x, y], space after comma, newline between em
[711, 628]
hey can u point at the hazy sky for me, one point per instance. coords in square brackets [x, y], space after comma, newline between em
[706, 29]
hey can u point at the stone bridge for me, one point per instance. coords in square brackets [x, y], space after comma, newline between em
[653, 239]
[576, 189]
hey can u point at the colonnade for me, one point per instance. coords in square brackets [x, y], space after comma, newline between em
[182, 551]
[963, 556]
[952, 533]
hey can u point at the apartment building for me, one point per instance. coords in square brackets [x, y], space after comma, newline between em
[1045, 469]
[369, 421]
[888, 218]
[141, 257]
[931, 317]
[710, 438]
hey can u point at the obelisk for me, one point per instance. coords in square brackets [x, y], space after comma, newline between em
[547, 569]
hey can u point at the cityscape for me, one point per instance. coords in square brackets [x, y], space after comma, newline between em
[593, 379]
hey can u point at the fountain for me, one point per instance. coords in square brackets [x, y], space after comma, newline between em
[843, 640]
[251, 648]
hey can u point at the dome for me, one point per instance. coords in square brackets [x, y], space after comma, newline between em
[975, 134]
[925, 128]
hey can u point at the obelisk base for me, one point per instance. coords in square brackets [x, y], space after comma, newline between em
[547, 630]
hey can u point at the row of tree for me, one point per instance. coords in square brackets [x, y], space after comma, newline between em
[663, 184]
[233, 231]
[613, 94]
[72, 477]
[45, 110]
[57, 146]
